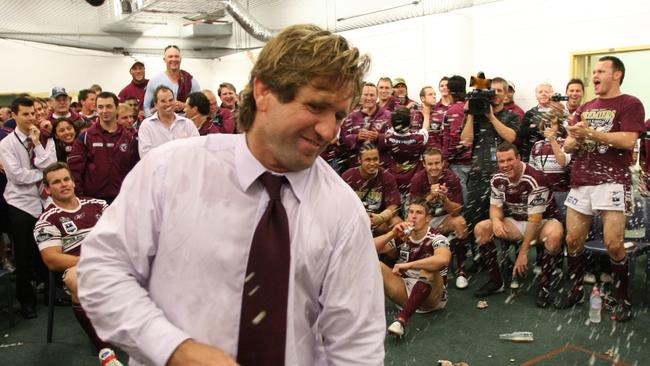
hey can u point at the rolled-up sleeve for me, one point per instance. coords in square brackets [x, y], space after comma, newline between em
[353, 322]
[115, 265]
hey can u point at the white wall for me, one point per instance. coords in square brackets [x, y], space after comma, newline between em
[526, 41]
[36, 68]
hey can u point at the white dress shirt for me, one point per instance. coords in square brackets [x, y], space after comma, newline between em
[167, 260]
[22, 176]
[153, 132]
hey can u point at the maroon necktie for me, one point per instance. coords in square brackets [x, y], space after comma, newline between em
[263, 323]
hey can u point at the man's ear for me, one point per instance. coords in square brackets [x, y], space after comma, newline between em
[262, 94]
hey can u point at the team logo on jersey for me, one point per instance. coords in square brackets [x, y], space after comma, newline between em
[79, 216]
[123, 147]
[404, 255]
[68, 148]
[43, 235]
[69, 227]
[538, 200]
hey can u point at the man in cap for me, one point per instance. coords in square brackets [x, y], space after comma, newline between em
[509, 101]
[61, 107]
[137, 86]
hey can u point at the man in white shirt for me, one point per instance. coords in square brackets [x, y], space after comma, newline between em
[163, 273]
[165, 125]
[24, 155]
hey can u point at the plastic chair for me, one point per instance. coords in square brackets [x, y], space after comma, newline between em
[51, 293]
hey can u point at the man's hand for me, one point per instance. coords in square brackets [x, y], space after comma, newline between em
[499, 228]
[579, 131]
[398, 230]
[375, 219]
[521, 264]
[550, 134]
[438, 191]
[178, 105]
[367, 135]
[400, 268]
[490, 113]
[34, 135]
[191, 353]
[426, 110]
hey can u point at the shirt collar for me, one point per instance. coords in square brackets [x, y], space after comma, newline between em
[248, 169]
[20, 134]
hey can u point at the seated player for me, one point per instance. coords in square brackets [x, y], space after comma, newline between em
[521, 208]
[60, 231]
[418, 281]
[376, 188]
[441, 188]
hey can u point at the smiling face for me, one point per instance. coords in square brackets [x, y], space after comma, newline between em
[106, 110]
[400, 90]
[433, 166]
[290, 136]
[369, 97]
[543, 94]
[228, 97]
[65, 132]
[137, 73]
[172, 59]
[385, 89]
[575, 92]
[165, 102]
[369, 163]
[509, 164]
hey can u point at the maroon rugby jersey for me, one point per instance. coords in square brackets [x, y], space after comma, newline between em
[454, 151]
[405, 153]
[375, 193]
[357, 120]
[543, 159]
[530, 195]
[596, 163]
[420, 188]
[64, 228]
[410, 250]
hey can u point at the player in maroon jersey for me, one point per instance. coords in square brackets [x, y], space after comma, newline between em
[521, 208]
[602, 135]
[60, 231]
[418, 281]
[405, 147]
[376, 188]
[440, 187]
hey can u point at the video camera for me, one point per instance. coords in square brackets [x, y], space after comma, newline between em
[557, 97]
[479, 99]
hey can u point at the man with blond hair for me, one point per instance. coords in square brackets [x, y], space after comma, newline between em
[282, 263]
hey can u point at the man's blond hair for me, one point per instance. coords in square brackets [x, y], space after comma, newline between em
[303, 55]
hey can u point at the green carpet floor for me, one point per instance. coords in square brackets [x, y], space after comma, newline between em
[461, 332]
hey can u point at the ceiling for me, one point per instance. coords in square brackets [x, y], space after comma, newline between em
[202, 28]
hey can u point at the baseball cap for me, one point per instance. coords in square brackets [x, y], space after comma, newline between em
[57, 91]
[511, 85]
[136, 64]
[398, 81]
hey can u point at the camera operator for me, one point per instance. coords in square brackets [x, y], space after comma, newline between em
[483, 133]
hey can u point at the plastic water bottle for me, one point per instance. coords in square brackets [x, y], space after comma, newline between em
[107, 358]
[595, 305]
[517, 336]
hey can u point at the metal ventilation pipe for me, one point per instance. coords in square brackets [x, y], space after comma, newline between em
[246, 21]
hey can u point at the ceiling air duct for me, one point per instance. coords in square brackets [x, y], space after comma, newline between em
[247, 22]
